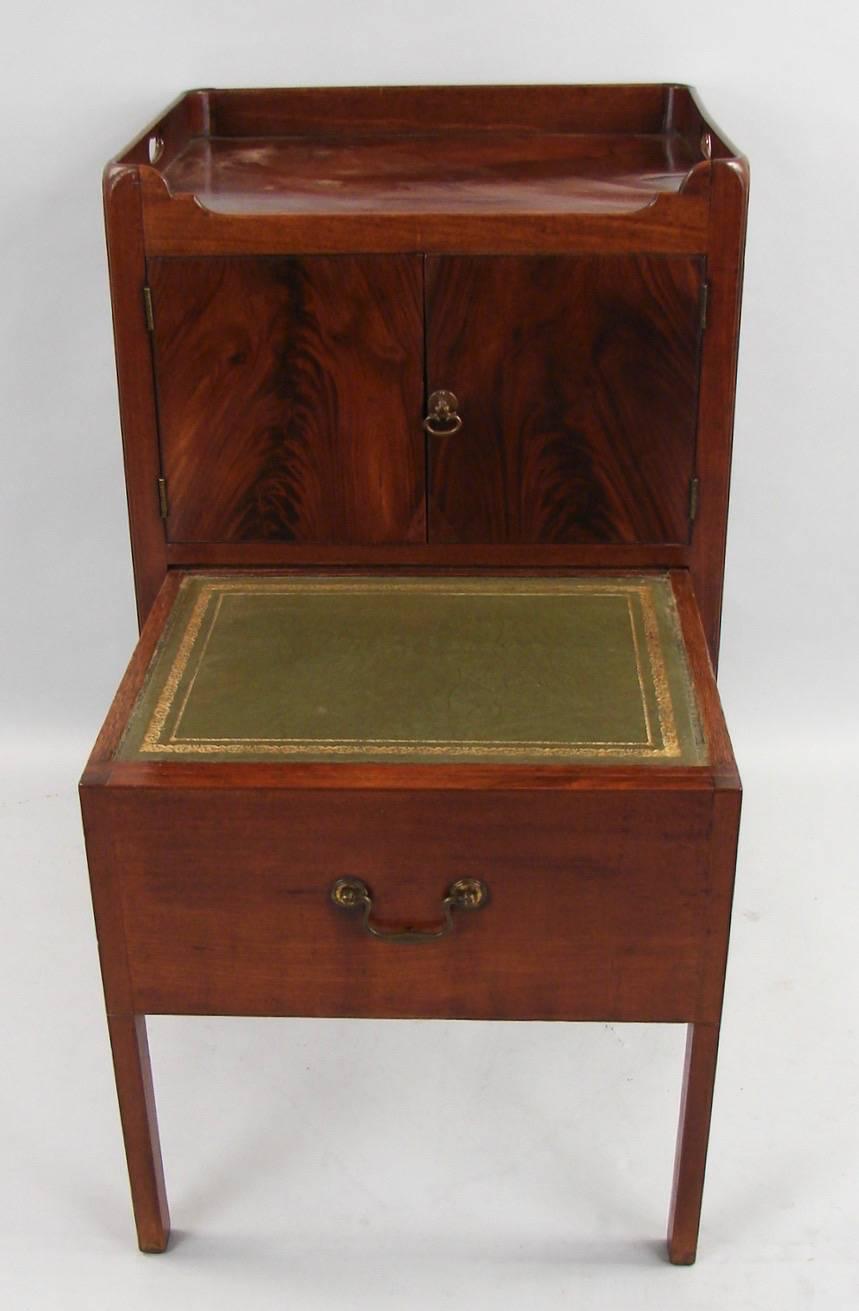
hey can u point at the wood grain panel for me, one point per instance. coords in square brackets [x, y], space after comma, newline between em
[289, 393]
[599, 903]
[577, 380]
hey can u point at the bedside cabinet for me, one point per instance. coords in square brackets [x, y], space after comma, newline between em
[427, 402]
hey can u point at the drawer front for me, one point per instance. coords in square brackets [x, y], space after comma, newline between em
[600, 904]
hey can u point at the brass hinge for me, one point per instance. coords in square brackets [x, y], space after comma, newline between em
[162, 497]
[694, 487]
[703, 304]
[148, 311]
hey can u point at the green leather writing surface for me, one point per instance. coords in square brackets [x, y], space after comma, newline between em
[419, 669]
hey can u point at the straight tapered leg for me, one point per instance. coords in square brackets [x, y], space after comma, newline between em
[702, 1044]
[140, 1130]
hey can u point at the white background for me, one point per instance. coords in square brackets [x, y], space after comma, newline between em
[318, 1165]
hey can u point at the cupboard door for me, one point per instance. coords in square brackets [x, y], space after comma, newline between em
[576, 379]
[289, 398]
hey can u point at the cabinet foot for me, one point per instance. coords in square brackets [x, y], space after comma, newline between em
[702, 1044]
[140, 1130]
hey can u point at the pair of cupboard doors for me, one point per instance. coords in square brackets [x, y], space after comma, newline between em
[297, 397]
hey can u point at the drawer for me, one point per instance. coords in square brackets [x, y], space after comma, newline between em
[599, 905]
[557, 739]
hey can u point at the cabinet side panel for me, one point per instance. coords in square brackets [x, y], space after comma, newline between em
[124, 225]
[729, 200]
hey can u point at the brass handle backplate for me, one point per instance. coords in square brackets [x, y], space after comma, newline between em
[443, 420]
[464, 894]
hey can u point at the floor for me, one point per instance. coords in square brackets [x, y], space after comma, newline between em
[359, 1164]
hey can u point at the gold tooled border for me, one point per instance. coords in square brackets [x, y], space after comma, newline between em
[153, 742]
[155, 727]
[659, 673]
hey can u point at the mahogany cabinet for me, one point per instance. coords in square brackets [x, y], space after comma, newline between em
[427, 402]
[298, 382]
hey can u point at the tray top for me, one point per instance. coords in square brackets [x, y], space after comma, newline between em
[441, 172]
[384, 669]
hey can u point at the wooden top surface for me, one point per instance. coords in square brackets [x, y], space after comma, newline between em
[453, 171]
[419, 669]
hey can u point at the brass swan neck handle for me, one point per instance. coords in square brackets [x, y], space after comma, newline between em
[465, 894]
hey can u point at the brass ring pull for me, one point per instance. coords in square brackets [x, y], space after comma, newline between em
[464, 894]
[443, 420]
